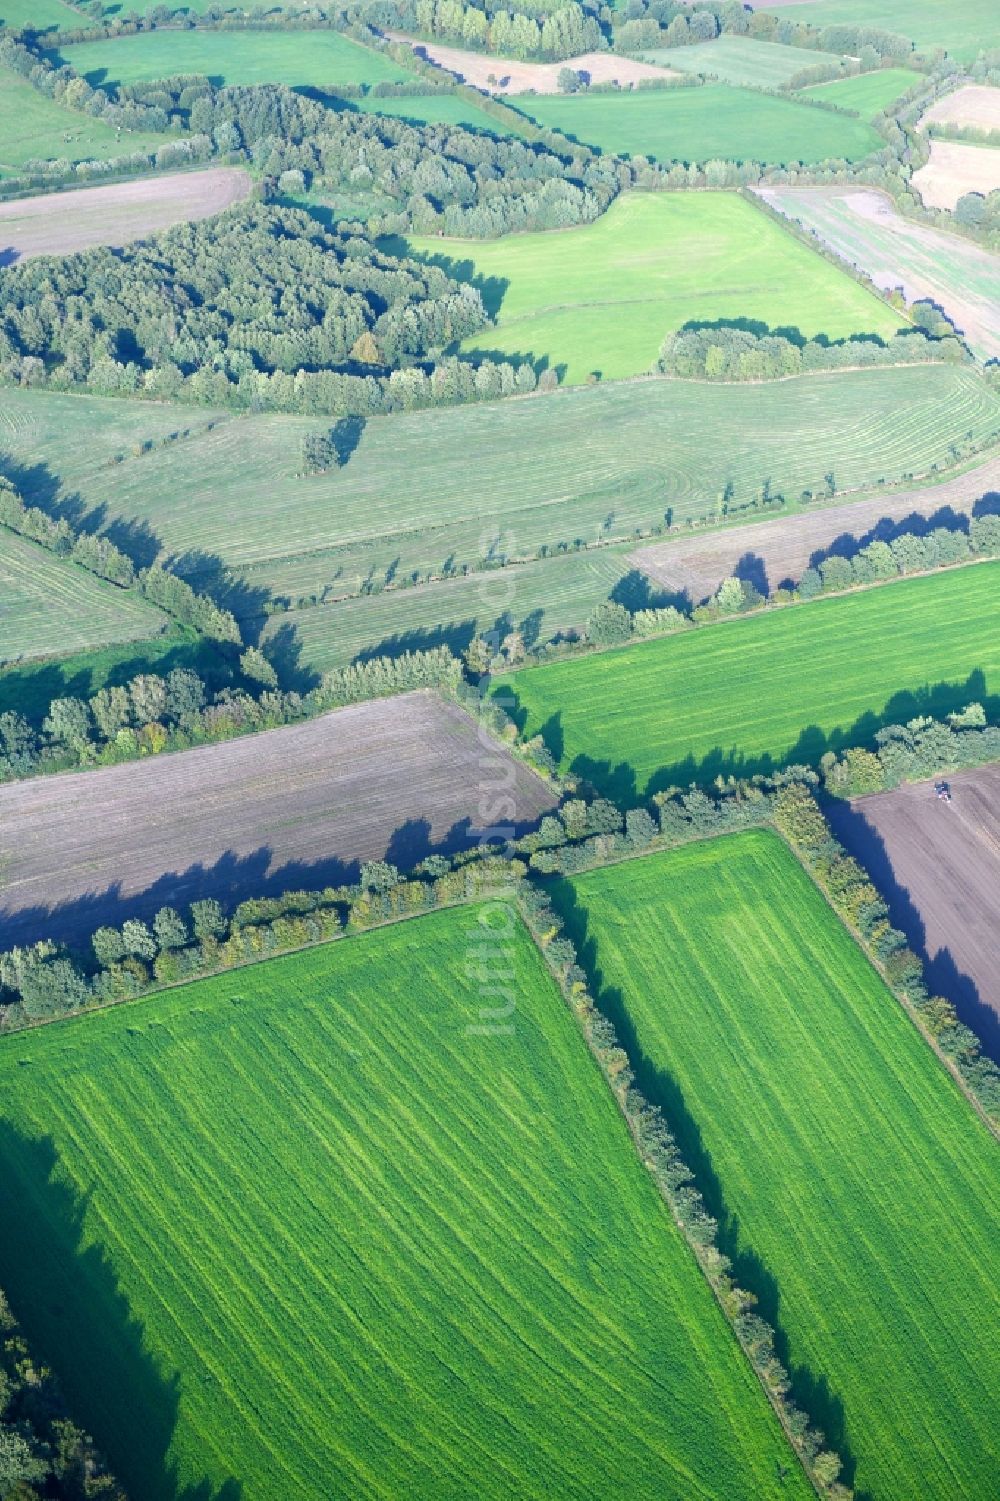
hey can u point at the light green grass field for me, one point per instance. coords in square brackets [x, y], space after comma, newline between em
[50, 606]
[320, 58]
[433, 109]
[603, 297]
[321, 1239]
[699, 125]
[34, 127]
[962, 27]
[741, 60]
[42, 15]
[774, 688]
[547, 469]
[860, 1190]
[868, 93]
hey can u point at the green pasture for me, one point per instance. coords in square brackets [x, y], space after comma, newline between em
[857, 1191]
[604, 296]
[868, 232]
[867, 93]
[962, 27]
[740, 60]
[541, 599]
[441, 108]
[41, 15]
[29, 686]
[702, 124]
[34, 127]
[322, 1235]
[319, 58]
[50, 606]
[771, 689]
[548, 469]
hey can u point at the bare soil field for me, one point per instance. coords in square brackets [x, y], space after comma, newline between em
[937, 864]
[295, 807]
[954, 169]
[115, 214]
[973, 104]
[863, 227]
[775, 552]
[511, 77]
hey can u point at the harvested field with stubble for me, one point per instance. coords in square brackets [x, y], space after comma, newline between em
[290, 807]
[777, 552]
[863, 227]
[512, 77]
[973, 104]
[937, 864]
[59, 223]
[955, 169]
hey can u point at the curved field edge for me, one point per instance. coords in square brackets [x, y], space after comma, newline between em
[858, 1192]
[768, 690]
[407, 1277]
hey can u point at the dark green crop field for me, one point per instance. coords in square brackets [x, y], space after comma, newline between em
[857, 1189]
[302, 1231]
[769, 689]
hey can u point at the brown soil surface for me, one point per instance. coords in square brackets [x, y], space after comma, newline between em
[780, 549]
[115, 214]
[515, 77]
[294, 807]
[973, 104]
[937, 864]
[955, 169]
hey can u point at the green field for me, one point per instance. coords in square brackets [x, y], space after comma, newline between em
[320, 58]
[604, 297]
[50, 606]
[440, 108]
[857, 1189]
[741, 60]
[702, 124]
[42, 15]
[773, 688]
[30, 686]
[547, 469]
[321, 1239]
[963, 27]
[868, 93]
[34, 127]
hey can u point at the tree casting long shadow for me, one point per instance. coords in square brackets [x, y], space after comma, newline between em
[75, 1316]
[810, 1390]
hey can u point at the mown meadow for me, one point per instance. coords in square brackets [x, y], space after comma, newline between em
[769, 689]
[328, 1238]
[713, 122]
[868, 93]
[602, 298]
[856, 1188]
[740, 60]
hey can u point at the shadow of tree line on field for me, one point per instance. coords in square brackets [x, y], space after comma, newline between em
[232, 878]
[811, 1391]
[618, 780]
[942, 971]
[752, 567]
[65, 1293]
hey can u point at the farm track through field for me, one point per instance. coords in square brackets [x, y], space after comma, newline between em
[59, 223]
[938, 866]
[775, 552]
[300, 806]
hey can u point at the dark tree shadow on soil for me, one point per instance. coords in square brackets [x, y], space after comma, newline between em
[67, 1298]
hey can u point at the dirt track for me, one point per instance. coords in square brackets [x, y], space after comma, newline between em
[115, 214]
[938, 866]
[781, 549]
[294, 807]
[512, 77]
